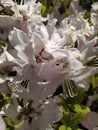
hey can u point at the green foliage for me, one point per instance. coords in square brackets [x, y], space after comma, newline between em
[94, 80]
[65, 7]
[68, 103]
[73, 111]
[62, 127]
[81, 109]
[1, 47]
[72, 120]
[10, 124]
[74, 108]
[74, 115]
[4, 100]
[49, 6]
[87, 16]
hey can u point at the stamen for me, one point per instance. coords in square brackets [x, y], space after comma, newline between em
[21, 82]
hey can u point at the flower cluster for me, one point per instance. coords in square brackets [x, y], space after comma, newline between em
[48, 65]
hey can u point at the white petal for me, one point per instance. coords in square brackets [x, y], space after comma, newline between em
[18, 39]
[94, 18]
[6, 21]
[2, 124]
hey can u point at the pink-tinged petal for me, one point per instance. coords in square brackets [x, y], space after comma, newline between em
[48, 116]
[91, 121]
[51, 79]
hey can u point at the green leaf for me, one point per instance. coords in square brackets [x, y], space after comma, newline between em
[44, 11]
[87, 16]
[68, 128]
[68, 103]
[4, 100]
[62, 127]
[48, 7]
[72, 120]
[94, 80]
[1, 47]
[10, 124]
[81, 109]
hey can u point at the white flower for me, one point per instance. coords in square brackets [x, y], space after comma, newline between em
[27, 10]
[87, 47]
[53, 41]
[22, 16]
[75, 25]
[48, 36]
[44, 58]
[87, 51]
[50, 114]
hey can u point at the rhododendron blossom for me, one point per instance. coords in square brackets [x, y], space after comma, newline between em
[48, 65]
